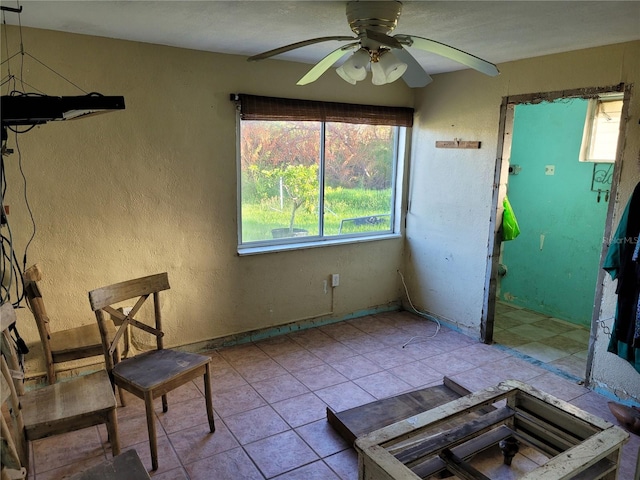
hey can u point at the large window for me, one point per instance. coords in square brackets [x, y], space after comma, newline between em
[317, 177]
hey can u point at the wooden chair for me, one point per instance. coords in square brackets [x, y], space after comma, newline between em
[151, 374]
[62, 345]
[12, 448]
[81, 402]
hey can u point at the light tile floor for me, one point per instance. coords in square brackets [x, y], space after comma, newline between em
[270, 399]
[546, 340]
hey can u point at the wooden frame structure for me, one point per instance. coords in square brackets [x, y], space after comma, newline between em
[580, 445]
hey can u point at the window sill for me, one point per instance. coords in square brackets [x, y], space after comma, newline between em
[246, 251]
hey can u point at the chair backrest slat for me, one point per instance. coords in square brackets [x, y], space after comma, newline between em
[36, 303]
[158, 314]
[5, 390]
[31, 277]
[103, 301]
[8, 434]
[7, 318]
[15, 439]
[119, 292]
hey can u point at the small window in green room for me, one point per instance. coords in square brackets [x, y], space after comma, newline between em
[601, 129]
[316, 172]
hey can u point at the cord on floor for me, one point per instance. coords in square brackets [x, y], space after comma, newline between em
[418, 312]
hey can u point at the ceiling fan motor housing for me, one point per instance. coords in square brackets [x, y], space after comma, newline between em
[377, 16]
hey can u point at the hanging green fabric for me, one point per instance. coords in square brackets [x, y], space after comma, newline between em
[510, 228]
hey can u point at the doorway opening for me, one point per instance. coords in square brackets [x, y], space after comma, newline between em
[544, 286]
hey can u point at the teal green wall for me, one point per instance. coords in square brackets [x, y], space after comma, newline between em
[557, 275]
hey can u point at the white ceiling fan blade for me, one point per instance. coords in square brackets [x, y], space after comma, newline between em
[449, 52]
[324, 64]
[293, 46]
[414, 76]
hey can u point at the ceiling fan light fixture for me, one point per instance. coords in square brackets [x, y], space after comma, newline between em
[341, 71]
[377, 74]
[386, 68]
[355, 68]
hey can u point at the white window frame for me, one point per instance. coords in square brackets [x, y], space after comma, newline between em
[296, 243]
[590, 134]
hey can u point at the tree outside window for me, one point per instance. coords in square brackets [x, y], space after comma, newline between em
[292, 171]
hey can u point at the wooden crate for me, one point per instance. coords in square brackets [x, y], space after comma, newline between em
[580, 445]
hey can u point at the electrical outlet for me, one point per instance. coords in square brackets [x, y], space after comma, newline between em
[335, 279]
[549, 169]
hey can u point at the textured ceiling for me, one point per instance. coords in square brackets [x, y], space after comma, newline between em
[497, 31]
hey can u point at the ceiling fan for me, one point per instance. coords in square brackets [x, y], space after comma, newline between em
[372, 22]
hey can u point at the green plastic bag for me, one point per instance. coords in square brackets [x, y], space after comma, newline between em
[510, 228]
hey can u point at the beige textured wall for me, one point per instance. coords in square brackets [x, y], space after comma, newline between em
[451, 190]
[153, 188]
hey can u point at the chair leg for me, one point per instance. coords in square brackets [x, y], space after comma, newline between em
[27, 453]
[127, 342]
[151, 427]
[112, 429]
[208, 397]
[121, 396]
[165, 404]
[117, 356]
[51, 373]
